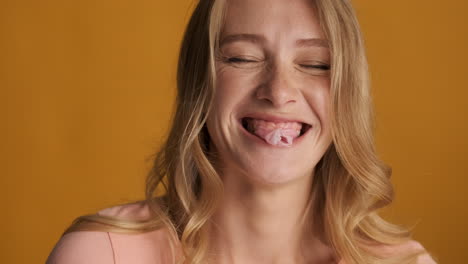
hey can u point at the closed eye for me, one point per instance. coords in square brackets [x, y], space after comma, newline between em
[324, 67]
[238, 60]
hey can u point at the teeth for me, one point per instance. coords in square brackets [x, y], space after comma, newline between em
[270, 125]
[251, 124]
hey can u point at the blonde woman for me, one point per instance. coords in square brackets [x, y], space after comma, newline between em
[270, 157]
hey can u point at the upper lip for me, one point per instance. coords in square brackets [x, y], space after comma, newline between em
[274, 118]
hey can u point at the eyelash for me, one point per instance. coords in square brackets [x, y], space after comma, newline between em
[324, 67]
[238, 60]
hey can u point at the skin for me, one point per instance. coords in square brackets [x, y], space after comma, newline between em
[262, 214]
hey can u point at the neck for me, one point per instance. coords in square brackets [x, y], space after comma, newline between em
[258, 224]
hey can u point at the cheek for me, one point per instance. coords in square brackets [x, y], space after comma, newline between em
[233, 88]
[318, 99]
[228, 97]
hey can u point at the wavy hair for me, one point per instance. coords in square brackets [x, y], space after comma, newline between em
[350, 182]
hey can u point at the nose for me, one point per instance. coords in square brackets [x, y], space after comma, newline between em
[278, 87]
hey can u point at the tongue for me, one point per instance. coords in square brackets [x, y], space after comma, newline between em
[277, 136]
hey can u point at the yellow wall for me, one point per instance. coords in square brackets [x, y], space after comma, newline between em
[87, 90]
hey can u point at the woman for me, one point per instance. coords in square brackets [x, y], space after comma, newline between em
[270, 158]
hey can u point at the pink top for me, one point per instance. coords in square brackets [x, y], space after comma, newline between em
[95, 247]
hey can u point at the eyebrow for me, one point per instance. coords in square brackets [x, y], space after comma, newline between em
[254, 38]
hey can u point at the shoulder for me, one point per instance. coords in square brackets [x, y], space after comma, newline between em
[410, 247]
[136, 211]
[82, 247]
[415, 246]
[103, 247]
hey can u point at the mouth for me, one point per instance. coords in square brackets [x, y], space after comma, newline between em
[248, 125]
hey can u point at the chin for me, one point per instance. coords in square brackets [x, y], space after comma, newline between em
[272, 175]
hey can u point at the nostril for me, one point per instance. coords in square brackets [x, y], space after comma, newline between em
[277, 94]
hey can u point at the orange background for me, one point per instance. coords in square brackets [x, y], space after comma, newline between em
[87, 90]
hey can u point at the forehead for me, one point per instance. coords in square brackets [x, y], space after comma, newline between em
[272, 18]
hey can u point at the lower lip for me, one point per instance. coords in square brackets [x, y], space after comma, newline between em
[262, 141]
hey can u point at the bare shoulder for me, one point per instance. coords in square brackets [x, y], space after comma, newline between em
[150, 247]
[82, 247]
[409, 247]
[415, 246]
[136, 211]
[106, 246]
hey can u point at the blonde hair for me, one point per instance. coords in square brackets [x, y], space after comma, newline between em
[350, 182]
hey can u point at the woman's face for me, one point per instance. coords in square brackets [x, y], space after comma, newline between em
[272, 72]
